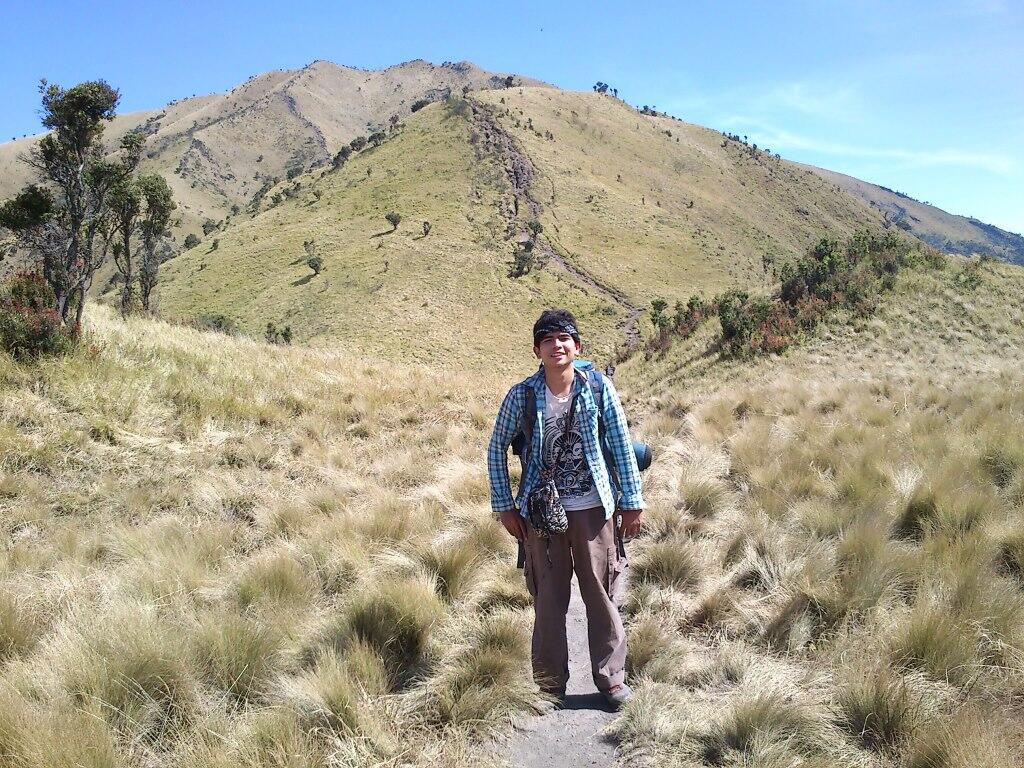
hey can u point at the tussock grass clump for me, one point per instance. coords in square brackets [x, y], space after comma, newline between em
[19, 628]
[1010, 557]
[767, 717]
[277, 578]
[236, 654]
[878, 709]
[396, 619]
[131, 670]
[704, 498]
[485, 675]
[672, 563]
[453, 564]
[933, 641]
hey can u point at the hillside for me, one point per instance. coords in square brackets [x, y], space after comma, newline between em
[946, 231]
[218, 151]
[629, 213]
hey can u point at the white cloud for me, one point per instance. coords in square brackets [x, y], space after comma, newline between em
[776, 139]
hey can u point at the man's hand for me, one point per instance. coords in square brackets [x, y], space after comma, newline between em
[631, 522]
[514, 524]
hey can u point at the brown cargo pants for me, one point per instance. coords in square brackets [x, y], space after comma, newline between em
[588, 547]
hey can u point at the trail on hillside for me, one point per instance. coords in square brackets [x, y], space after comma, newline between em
[520, 174]
[571, 737]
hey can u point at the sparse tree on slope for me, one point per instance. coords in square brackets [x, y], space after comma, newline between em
[394, 219]
[159, 204]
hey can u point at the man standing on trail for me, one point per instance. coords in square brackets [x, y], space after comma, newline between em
[576, 436]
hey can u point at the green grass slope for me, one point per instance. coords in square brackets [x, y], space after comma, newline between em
[948, 232]
[623, 203]
[443, 297]
[616, 187]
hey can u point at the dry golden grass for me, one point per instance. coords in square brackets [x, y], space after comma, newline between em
[856, 587]
[221, 552]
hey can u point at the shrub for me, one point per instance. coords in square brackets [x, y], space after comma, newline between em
[357, 143]
[419, 104]
[342, 156]
[426, 228]
[523, 261]
[30, 325]
[275, 335]
[376, 138]
[191, 240]
[216, 322]
[394, 219]
[316, 264]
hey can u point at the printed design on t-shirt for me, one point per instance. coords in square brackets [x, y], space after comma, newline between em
[572, 475]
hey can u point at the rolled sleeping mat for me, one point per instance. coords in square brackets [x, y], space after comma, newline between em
[643, 455]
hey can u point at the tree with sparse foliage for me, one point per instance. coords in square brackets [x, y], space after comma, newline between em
[158, 204]
[125, 213]
[394, 219]
[658, 316]
[426, 228]
[59, 219]
[316, 264]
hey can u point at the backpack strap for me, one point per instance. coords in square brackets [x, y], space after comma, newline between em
[596, 381]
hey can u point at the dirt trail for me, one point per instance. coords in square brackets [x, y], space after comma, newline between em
[570, 737]
[521, 207]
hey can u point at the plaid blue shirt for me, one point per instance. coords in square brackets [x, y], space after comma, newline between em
[628, 494]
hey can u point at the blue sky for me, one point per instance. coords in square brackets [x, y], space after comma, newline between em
[924, 97]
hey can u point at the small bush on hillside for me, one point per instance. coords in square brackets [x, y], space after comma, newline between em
[426, 228]
[342, 156]
[523, 261]
[357, 143]
[316, 264]
[30, 325]
[275, 335]
[191, 240]
[419, 104]
[216, 322]
[394, 219]
[376, 138]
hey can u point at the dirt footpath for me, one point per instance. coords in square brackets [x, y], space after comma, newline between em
[570, 737]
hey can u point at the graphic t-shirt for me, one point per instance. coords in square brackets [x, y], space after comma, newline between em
[575, 484]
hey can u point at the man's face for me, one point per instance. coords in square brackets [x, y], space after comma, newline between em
[557, 349]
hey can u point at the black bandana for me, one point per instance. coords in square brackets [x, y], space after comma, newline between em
[555, 326]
